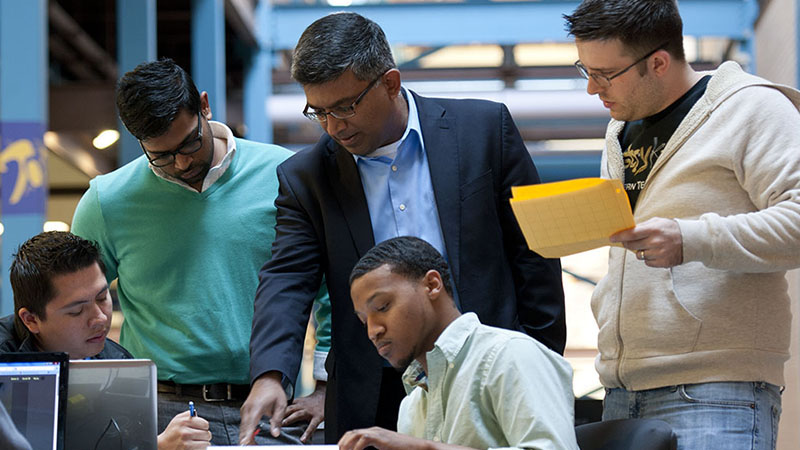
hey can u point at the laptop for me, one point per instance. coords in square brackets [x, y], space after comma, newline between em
[33, 390]
[112, 405]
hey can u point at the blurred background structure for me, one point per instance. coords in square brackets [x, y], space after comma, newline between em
[59, 60]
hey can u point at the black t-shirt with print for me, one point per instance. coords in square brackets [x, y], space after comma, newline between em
[643, 140]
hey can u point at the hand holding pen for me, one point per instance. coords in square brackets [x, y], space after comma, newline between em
[186, 430]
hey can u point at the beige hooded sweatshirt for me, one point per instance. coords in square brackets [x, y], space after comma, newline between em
[730, 175]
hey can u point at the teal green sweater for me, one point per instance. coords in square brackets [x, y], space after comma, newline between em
[187, 262]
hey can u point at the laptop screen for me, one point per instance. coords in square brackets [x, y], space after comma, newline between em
[112, 405]
[33, 391]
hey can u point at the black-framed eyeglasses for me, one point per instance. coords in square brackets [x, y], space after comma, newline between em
[339, 112]
[605, 81]
[189, 146]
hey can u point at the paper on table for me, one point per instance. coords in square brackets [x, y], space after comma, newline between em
[276, 447]
[573, 216]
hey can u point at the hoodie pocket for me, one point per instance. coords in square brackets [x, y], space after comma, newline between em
[654, 321]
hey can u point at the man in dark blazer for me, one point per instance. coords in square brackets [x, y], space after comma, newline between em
[331, 211]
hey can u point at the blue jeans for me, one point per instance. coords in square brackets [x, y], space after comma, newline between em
[728, 416]
[223, 421]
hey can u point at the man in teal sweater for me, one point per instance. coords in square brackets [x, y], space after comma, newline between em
[185, 229]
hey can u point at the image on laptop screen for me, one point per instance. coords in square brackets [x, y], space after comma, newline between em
[112, 405]
[33, 390]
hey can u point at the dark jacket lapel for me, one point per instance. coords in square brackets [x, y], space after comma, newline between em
[441, 146]
[346, 183]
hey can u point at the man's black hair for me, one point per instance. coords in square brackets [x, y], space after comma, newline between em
[150, 96]
[338, 42]
[641, 25]
[41, 258]
[408, 256]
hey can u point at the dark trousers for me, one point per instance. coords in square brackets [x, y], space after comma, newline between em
[389, 397]
[392, 393]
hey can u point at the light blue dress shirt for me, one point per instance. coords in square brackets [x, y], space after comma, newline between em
[489, 388]
[397, 184]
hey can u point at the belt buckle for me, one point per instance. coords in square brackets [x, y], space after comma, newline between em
[205, 394]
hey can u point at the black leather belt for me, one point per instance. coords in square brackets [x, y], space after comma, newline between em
[218, 392]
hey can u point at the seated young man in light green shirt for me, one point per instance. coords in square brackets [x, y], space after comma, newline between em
[468, 384]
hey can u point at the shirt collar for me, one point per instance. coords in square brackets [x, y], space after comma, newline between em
[28, 345]
[414, 377]
[219, 130]
[449, 343]
[412, 126]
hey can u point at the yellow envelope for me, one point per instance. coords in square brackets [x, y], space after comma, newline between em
[572, 216]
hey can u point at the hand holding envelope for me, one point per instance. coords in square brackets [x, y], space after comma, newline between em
[566, 217]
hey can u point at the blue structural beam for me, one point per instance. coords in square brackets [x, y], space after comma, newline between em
[748, 46]
[567, 165]
[208, 53]
[258, 79]
[441, 24]
[23, 121]
[136, 43]
[732, 19]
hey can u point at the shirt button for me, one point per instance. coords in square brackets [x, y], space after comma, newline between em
[436, 438]
[452, 366]
[394, 168]
[402, 207]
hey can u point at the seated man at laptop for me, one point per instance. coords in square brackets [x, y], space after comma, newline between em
[468, 384]
[62, 304]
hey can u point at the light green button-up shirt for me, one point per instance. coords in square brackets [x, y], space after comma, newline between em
[489, 388]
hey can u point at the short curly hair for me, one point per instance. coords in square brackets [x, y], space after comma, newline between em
[408, 256]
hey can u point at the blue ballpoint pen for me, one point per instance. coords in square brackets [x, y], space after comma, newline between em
[192, 412]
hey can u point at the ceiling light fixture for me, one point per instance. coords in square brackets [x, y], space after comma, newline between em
[105, 139]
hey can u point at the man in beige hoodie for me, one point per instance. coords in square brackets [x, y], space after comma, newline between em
[694, 313]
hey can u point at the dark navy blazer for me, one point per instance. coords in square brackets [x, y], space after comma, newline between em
[475, 154]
